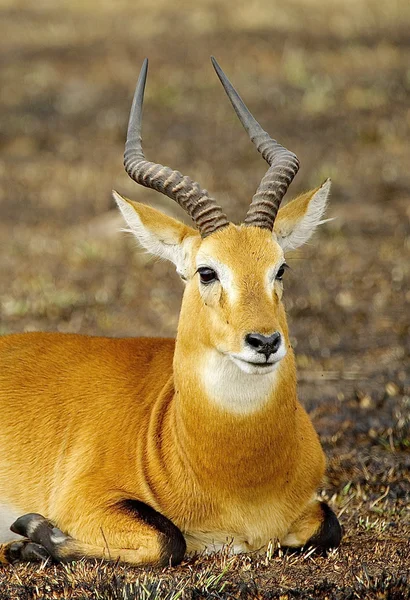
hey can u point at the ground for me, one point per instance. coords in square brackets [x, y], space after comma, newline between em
[331, 81]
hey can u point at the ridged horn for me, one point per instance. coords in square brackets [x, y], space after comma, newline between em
[283, 164]
[203, 210]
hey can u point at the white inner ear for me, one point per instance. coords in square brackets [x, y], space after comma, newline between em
[301, 230]
[160, 243]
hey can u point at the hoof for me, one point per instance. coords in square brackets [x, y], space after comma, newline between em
[26, 551]
[27, 524]
[42, 532]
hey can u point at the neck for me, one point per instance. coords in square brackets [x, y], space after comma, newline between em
[230, 418]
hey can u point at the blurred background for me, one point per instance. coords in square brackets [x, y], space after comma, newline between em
[330, 80]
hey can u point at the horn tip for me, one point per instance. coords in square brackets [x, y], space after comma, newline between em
[215, 64]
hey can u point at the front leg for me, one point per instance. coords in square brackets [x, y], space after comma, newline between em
[317, 526]
[129, 531]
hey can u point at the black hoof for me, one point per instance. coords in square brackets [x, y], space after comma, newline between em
[26, 551]
[330, 531]
[27, 524]
[42, 532]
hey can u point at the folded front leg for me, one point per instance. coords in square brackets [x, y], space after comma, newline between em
[129, 531]
[317, 526]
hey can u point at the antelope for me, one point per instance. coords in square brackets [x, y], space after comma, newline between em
[142, 450]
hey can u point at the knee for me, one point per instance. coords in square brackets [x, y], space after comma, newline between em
[173, 547]
[170, 543]
[329, 533]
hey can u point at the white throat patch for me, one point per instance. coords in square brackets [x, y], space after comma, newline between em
[231, 388]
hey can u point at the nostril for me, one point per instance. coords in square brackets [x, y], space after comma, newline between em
[256, 340]
[275, 341]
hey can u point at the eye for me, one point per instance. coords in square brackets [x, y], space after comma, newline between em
[281, 271]
[207, 275]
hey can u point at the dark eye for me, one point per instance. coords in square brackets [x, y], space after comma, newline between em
[207, 275]
[281, 271]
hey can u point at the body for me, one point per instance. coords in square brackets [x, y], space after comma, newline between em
[83, 452]
[143, 449]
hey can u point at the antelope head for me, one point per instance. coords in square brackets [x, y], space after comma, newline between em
[232, 308]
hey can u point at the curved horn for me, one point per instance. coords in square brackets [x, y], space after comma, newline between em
[203, 209]
[283, 164]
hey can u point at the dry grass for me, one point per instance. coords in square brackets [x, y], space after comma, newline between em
[332, 81]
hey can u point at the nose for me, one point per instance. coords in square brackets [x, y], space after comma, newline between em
[263, 344]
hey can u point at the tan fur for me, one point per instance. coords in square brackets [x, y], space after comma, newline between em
[87, 422]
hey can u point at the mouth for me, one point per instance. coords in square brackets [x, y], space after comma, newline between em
[257, 364]
[248, 362]
[254, 367]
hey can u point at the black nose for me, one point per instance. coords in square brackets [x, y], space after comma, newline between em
[263, 344]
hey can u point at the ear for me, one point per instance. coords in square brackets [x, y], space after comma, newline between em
[298, 219]
[159, 234]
